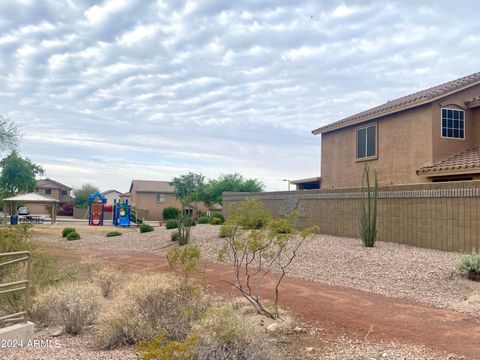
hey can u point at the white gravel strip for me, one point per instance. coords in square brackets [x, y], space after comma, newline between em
[65, 347]
[389, 269]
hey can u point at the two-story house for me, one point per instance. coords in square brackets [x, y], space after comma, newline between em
[431, 135]
[54, 189]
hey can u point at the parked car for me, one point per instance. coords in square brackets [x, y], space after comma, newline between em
[23, 210]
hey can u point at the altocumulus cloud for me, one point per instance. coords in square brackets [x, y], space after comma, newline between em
[120, 89]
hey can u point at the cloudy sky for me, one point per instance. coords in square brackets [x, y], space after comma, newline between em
[107, 91]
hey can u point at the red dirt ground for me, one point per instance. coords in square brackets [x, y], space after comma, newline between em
[337, 308]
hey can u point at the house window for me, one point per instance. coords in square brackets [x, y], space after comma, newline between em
[48, 191]
[64, 192]
[160, 197]
[367, 142]
[453, 124]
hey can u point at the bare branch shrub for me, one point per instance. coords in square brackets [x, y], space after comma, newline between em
[256, 246]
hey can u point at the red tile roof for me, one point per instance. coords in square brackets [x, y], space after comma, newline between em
[403, 103]
[466, 160]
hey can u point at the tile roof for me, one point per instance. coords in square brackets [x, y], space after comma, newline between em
[47, 183]
[403, 103]
[152, 186]
[466, 160]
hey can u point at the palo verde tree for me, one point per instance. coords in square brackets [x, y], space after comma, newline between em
[81, 196]
[18, 175]
[368, 215]
[189, 190]
[257, 245]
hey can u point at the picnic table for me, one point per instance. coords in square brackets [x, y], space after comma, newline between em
[32, 219]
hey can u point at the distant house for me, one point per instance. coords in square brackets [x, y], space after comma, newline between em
[151, 197]
[432, 135]
[307, 184]
[111, 195]
[52, 189]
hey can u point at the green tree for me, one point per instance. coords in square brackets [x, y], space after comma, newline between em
[8, 134]
[230, 182]
[81, 195]
[189, 188]
[18, 175]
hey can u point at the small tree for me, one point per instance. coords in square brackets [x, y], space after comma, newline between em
[18, 174]
[188, 189]
[81, 197]
[368, 216]
[256, 245]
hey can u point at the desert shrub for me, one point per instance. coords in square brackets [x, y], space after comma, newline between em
[67, 231]
[189, 222]
[225, 334]
[186, 258]
[470, 264]
[108, 280]
[175, 236]
[254, 251]
[147, 305]
[225, 231]
[216, 221]
[170, 213]
[159, 348]
[73, 236]
[73, 305]
[46, 269]
[250, 214]
[145, 228]
[217, 215]
[204, 220]
[172, 224]
[114, 233]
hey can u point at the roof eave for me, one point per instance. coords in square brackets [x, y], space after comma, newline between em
[447, 172]
[329, 128]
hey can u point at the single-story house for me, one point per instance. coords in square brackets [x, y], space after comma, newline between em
[432, 135]
[112, 195]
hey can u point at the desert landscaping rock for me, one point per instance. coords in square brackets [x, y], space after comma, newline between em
[389, 269]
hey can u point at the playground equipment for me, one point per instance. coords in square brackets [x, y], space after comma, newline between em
[96, 209]
[122, 212]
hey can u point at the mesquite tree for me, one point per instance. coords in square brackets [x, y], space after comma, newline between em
[257, 245]
[368, 216]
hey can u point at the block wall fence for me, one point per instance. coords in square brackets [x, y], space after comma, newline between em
[443, 216]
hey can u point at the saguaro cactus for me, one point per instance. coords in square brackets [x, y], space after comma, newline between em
[368, 216]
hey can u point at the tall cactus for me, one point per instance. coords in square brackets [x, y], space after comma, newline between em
[368, 216]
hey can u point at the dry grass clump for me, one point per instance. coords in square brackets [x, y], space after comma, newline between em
[73, 305]
[146, 306]
[225, 334]
[109, 280]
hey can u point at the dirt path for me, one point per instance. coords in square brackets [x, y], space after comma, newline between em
[336, 308]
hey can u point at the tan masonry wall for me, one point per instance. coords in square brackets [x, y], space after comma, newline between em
[443, 216]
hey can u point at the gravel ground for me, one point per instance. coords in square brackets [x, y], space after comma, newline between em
[66, 347]
[389, 269]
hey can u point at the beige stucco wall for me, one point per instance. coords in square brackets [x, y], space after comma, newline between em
[56, 194]
[444, 148]
[148, 201]
[403, 146]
